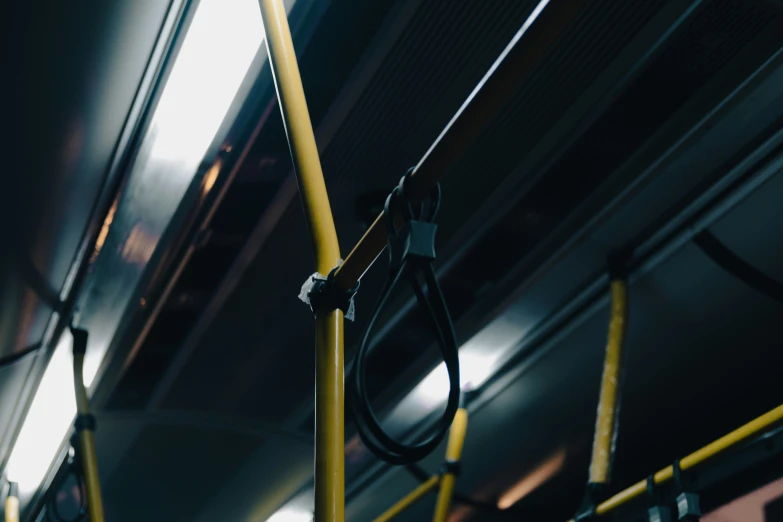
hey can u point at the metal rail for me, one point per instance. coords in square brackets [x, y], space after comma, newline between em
[754, 428]
[515, 63]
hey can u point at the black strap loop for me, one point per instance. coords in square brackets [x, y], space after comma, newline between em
[411, 252]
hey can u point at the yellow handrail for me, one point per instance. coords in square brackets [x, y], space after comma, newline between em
[606, 418]
[85, 432]
[755, 427]
[12, 503]
[459, 427]
[329, 364]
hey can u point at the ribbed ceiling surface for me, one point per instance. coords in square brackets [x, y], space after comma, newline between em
[255, 358]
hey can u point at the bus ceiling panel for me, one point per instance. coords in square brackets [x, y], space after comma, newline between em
[715, 152]
[753, 230]
[697, 149]
[177, 469]
[76, 67]
[532, 442]
[720, 126]
[271, 475]
[578, 216]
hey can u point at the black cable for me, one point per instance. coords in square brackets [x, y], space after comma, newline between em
[722, 256]
[16, 356]
[411, 252]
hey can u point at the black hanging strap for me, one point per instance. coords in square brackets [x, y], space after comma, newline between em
[411, 253]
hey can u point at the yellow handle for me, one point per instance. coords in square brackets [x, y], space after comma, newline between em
[459, 427]
[606, 419]
[11, 509]
[87, 441]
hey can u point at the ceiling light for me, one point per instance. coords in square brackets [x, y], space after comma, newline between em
[214, 58]
[220, 45]
[51, 413]
[291, 515]
[475, 367]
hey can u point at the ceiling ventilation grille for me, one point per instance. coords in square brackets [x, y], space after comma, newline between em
[441, 54]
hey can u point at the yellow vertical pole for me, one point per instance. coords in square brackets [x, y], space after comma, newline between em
[85, 429]
[448, 481]
[12, 503]
[606, 419]
[329, 414]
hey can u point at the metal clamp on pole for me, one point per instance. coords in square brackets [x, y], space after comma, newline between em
[85, 427]
[688, 506]
[12, 503]
[411, 253]
[657, 512]
[609, 400]
[451, 466]
[323, 295]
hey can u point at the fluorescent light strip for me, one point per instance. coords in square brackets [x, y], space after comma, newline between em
[291, 515]
[51, 413]
[221, 42]
[475, 367]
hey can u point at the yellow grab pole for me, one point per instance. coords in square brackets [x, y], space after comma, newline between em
[459, 427]
[301, 139]
[329, 414]
[85, 425]
[409, 499]
[606, 418]
[12, 503]
[755, 427]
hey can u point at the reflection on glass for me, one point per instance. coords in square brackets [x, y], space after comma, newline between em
[51, 413]
[216, 53]
[530, 482]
